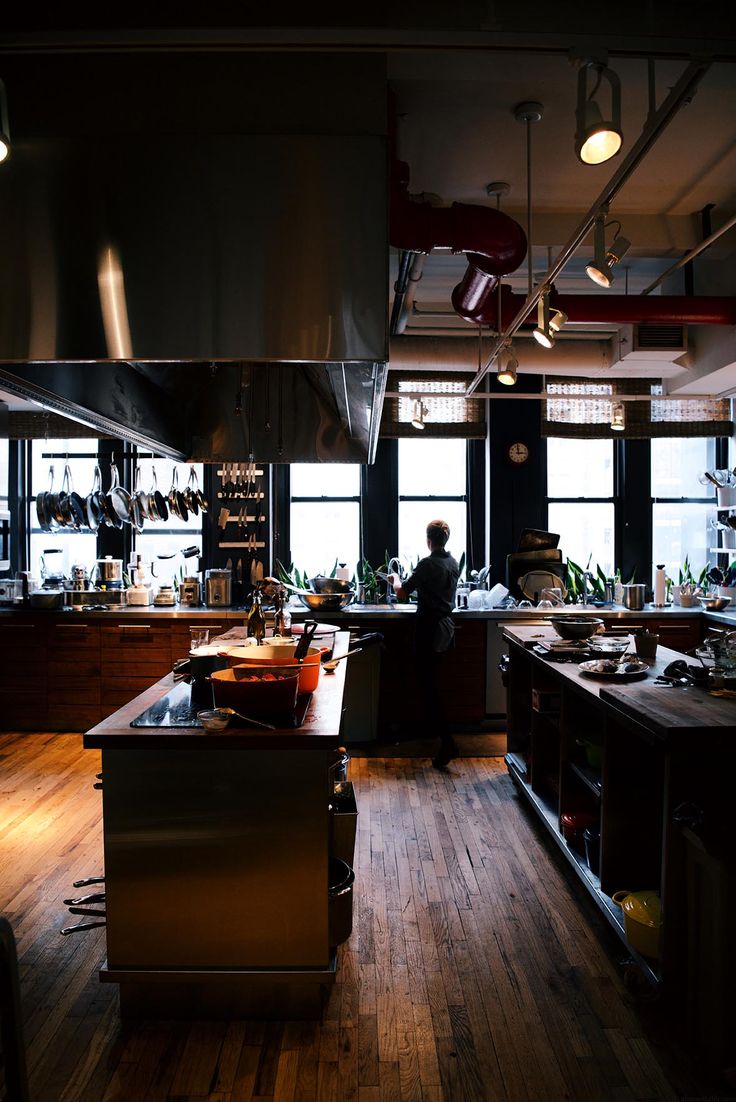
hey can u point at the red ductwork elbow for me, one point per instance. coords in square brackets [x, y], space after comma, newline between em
[494, 243]
[615, 309]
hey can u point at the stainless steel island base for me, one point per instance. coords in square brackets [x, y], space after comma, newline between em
[217, 853]
[222, 995]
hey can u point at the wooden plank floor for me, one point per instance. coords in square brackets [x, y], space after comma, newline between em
[472, 972]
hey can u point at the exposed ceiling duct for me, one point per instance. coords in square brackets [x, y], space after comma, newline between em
[616, 309]
[494, 243]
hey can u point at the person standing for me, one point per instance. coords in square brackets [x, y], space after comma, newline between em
[435, 581]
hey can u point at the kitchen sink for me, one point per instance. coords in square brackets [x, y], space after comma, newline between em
[379, 608]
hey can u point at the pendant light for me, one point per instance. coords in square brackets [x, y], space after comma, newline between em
[420, 412]
[600, 270]
[4, 125]
[597, 139]
[618, 417]
[508, 365]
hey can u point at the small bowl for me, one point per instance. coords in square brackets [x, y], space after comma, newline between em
[575, 627]
[714, 604]
[214, 719]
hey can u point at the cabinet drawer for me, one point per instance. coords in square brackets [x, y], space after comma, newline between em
[65, 640]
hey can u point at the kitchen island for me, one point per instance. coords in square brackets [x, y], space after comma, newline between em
[648, 770]
[216, 852]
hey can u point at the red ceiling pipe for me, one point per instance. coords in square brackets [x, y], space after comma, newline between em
[495, 243]
[617, 309]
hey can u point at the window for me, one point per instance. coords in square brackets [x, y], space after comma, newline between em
[66, 546]
[171, 536]
[432, 485]
[325, 516]
[580, 500]
[682, 508]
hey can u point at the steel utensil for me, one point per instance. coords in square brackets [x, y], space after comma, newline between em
[332, 663]
[248, 719]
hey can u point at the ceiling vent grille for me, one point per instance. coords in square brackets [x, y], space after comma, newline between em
[660, 338]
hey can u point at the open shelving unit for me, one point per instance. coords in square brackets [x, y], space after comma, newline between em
[548, 763]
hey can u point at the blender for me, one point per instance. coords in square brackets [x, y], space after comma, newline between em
[164, 571]
[190, 590]
[52, 568]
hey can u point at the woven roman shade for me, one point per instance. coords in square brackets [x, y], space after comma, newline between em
[584, 409]
[447, 412]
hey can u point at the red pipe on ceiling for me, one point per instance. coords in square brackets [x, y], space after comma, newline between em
[616, 309]
[494, 243]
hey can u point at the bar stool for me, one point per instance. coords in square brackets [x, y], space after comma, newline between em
[79, 905]
[11, 1022]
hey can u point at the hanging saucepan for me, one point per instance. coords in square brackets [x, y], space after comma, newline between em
[94, 510]
[190, 494]
[157, 505]
[177, 502]
[42, 510]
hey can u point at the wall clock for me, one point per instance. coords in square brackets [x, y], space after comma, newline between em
[518, 453]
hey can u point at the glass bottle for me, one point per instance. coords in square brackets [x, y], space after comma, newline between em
[256, 624]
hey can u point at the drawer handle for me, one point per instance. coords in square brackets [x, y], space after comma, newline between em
[16, 627]
[71, 627]
[135, 627]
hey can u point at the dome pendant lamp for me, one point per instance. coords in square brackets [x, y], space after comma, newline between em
[597, 139]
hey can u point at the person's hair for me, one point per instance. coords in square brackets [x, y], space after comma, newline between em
[438, 532]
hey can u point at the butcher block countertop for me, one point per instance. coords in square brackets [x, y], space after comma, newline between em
[667, 712]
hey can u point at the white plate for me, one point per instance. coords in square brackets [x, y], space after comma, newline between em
[620, 674]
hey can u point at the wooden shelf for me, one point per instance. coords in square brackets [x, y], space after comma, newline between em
[613, 914]
[589, 776]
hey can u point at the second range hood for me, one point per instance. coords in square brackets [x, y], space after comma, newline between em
[185, 285]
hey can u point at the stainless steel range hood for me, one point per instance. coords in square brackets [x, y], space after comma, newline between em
[194, 289]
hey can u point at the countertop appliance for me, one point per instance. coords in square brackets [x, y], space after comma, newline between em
[218, 588]
[190, 592]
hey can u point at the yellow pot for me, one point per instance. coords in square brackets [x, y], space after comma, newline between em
[642, 920]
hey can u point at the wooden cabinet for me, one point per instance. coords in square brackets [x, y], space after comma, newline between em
[680, 633]
[462, 676]
[134, 657]
[619, 757]
[24, 676]
[74, 667]
[180, 638]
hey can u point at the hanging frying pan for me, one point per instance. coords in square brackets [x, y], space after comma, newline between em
[42, 512]
[94, 510]
[118, 498]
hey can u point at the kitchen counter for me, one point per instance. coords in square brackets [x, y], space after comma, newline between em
[216, 858]
[397, 611]
[648, 770]
[665, 713]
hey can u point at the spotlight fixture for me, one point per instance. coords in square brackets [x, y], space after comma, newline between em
[558, 319]
[618, 417]
[4, 125]
[597, 139]
[600, 270]
[508, 365]
[544, 333]
[420, 412]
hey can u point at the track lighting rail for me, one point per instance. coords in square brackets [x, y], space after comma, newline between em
[681, 94]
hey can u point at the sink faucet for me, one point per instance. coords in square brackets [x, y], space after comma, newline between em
[394, 567]
[587, 576]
